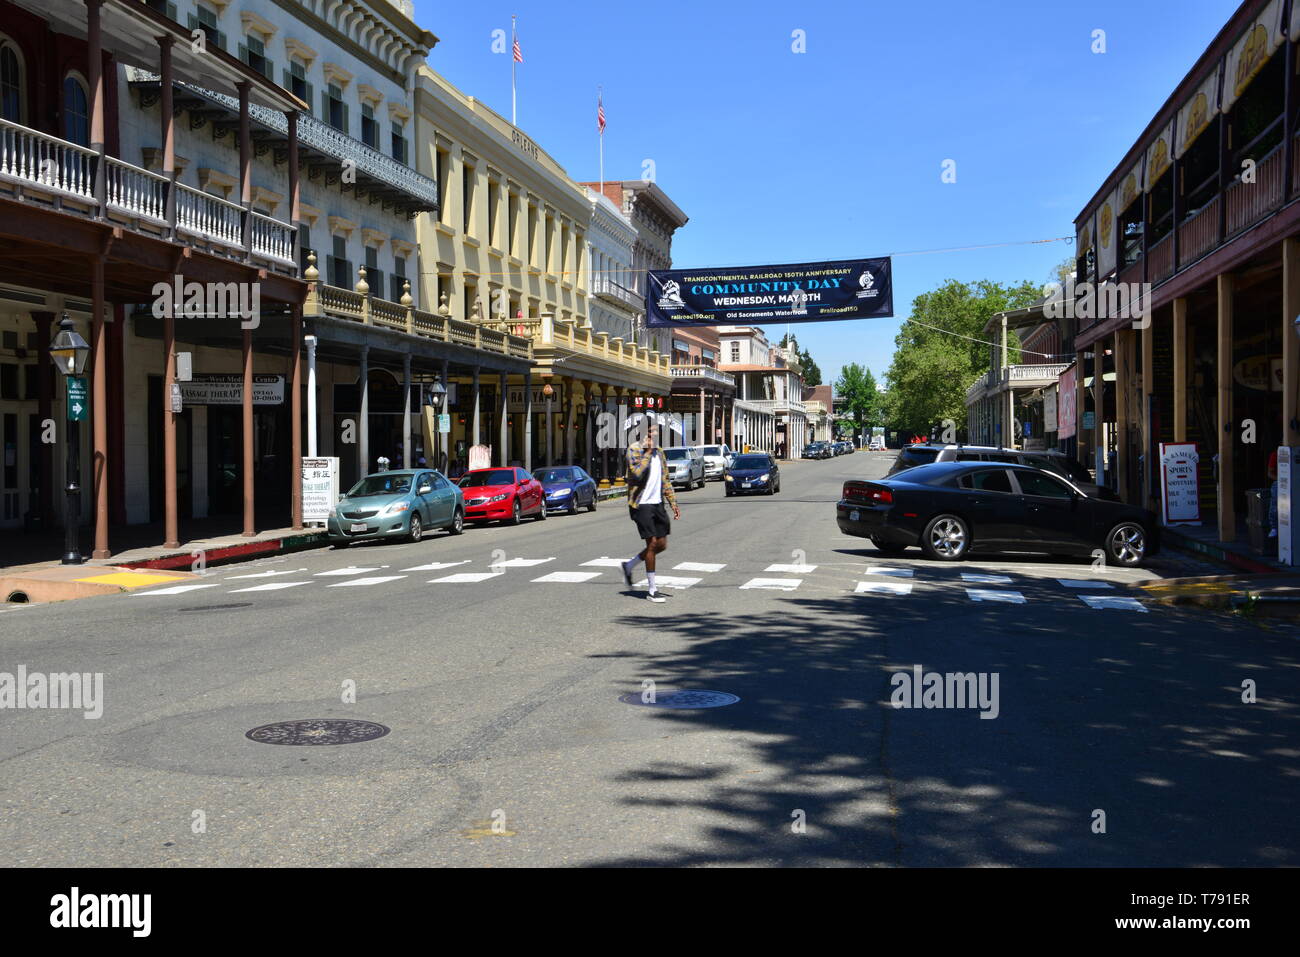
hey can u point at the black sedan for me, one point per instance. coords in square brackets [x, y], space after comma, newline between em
[752, 472]
[952, 508]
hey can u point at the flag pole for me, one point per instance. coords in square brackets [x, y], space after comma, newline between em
[599, 105]
[514, 119]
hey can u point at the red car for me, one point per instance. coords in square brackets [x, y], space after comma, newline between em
[502, 495]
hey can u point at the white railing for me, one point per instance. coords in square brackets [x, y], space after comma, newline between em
[272, 238]
[707, 373]
[208, 216]
[774, 405]
[135, 191]
[46, 162]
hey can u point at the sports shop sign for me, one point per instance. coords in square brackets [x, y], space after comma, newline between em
[753, 295]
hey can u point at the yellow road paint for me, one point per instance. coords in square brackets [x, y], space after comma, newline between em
[132, 579]
[484, 829]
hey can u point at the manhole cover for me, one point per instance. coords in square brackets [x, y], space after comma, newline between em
[317, 731]
[682, 699]
[227, 607]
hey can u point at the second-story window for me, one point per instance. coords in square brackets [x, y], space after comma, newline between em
[340, 267]
[76, 111]
[374, 275]
[440, 172]
[369, 126]
[397, 289]
[336, 111]
[253, 52]
[494, 213]
[205, 18]
[11, 82]
[467, 194]
[735, 352]
[295, 81]
[399, 143]
[305, 248]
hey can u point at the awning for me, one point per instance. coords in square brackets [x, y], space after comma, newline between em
[1252, 50]
[1159, 155]
[1195, 116]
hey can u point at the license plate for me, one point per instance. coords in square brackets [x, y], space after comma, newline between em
[854, 515]
[358, 527]
[746, 484]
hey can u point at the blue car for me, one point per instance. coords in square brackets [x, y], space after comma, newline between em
[398, 504]
[567, 488]
[752, 472]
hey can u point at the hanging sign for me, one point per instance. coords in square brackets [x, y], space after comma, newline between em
[757, 295]
[1180, 485]
[320, 488]
[207, 389]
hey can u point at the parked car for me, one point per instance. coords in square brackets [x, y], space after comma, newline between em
[877, 444]
[952, 508]
[685, 466]
[400, 504]
[502, 495]
[1052, 461]
[812, 450]
[715, 460]
[753, 472]
[567, 488]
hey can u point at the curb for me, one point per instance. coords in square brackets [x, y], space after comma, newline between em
[236, 553]
[1221, 555]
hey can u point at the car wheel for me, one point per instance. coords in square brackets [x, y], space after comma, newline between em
[888, 548]
[1126, 544]
[417, 529]
[514, 515]
[541, 513]
[573, 504]
[591, 506]
[946, 538]
[457, 523]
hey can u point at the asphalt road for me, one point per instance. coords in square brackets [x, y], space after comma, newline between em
[509, 744]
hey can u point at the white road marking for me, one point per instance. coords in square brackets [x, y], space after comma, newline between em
[435, 566]
[348, 571]
[289, 571]
[569, 577]
[1083, 583]
[669, 581]
[464, 578]
[891, 572]
[271, 586]
[521, 562]
[604, 562]
[791, 569]
[367, 581]
[773, 584]
[172, 590]
[992, 594]
[983, 578]
[1112, 601]
[698, 567]
[883, 588]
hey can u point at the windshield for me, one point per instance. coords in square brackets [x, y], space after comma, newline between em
[555, 475]
[750, 462]
[488, 477]
[712, 450]
[675, 454]
[392, 484]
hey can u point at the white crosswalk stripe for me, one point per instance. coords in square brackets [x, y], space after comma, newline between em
[773, 584]
[171, 590]
[698, 567]
[1116, 602]
[269, 586]
[435, 566]
[288, 571]
[465, 578]
[993, 594]
[568, 577]
[1083, 583]
[522, 562]
[339, 572]
[791, 569]
[604, 562]
[362, 582]
[982, 578]
[669, 581]
[883, 588]
[891, 572]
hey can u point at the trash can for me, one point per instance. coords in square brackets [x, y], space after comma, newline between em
[1257, 519]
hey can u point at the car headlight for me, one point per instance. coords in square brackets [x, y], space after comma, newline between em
[499, 498]
[397, 507]
[560, 492]
[728, 478]
[764, 477]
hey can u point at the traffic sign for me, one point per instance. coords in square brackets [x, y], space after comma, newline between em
[78, 399]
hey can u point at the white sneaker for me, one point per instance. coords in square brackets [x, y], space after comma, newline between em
[657, 597]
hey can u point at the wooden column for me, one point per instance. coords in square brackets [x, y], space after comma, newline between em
[1146, 397]
[97, 105]
[1123, 411]
[295, 414]
[167, 135]
[249, 461]
[99, 405]
[1180, 369]
[245, 167]
[1223, 379]
[44, 507]
[1290, 341]
[1098, 401]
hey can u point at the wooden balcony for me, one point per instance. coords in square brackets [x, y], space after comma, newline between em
[1248, 203]
[1161, 256]
[1199, 233]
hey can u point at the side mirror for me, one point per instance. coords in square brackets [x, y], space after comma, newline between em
[425, 489]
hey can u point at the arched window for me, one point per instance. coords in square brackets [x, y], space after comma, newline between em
[11, 81]
[76, 111]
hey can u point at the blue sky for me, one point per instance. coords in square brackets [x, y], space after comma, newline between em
[837, 152]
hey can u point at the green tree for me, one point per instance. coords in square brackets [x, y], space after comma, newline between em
[812, 373]
[942, 347]
[856, 386]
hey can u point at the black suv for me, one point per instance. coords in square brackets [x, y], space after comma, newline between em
[1050, 460]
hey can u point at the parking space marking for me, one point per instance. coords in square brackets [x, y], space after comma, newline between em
[1083, 583]
[883, 588]
[348, 571]
[436, 566]
[773, 584]
[173, 590]
[698, 567]
[983, 578]
[271, 586]
[379, 580]
[569, 577]
[1116, 602]
[670, 581]
[992, 594]
[604, 562]
[891, 572]
[791, 569]
[465, 578]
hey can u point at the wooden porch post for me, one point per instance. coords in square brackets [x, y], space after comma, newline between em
[99, 403]
[1223, 378]
[1148, 335]
[1180, 369]
[1290, 341]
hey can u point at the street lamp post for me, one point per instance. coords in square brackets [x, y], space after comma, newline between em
[68, 352]
[435, 396]
[549, 391]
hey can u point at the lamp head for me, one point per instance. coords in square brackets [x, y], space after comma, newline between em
[68, 351]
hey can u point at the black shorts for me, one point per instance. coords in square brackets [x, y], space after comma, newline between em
[651, 520]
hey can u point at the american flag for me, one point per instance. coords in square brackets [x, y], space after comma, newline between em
[519, 53]
[600, 115]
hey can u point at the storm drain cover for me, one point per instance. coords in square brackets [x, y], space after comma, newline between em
[682, 699]
[317, 731]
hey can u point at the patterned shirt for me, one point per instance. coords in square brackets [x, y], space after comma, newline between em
[639, 474]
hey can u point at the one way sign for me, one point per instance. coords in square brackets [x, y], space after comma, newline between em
[77, 401]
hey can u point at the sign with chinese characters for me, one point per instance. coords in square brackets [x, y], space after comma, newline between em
[320, 488]
[1180, 484]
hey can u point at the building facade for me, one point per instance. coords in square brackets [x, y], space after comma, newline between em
[769, 410]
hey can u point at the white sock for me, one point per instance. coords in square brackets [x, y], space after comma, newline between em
[631, 562]
[650, 577]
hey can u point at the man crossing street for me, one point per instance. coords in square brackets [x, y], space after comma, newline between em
[648, 490]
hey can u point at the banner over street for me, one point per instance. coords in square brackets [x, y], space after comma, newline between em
[753, 295]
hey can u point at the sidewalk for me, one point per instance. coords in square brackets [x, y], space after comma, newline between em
[1204, 540]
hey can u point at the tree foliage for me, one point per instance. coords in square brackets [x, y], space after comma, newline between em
[812, 373]
[856, 386]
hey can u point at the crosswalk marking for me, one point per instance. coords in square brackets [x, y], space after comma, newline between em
[348, 571]
[891, 572]
[435, 566]
[773, 584]
[289, 571]
[992, 594]
[522, 562]
[603, 562]
[379, 580]
[269, 586]
[1112, 601]
[698, 567]
[569, 577]
[791, 569]
[173, 590]
[465, 578]
[669, 581]
[1083, 583]
[883, 588]
[982, 578]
